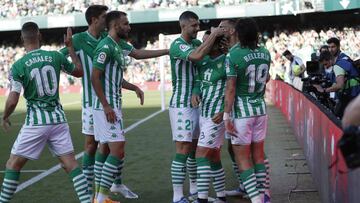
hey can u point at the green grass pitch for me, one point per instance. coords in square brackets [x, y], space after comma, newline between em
[149, 151]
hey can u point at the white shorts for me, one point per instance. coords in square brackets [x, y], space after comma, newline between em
[87, 121]
[211, 134]
[105, 132]
[184, 124]
[31, 140]
[250, 130]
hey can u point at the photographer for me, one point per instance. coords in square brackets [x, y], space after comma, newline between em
[347, 83]
[334, 48]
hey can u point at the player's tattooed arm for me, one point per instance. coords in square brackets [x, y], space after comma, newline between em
[145, 54]
[136, 89]
[10, 106]
[199, 53]
[78, 71]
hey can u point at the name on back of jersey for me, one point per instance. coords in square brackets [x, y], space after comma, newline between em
[38, 59]
[257, 55]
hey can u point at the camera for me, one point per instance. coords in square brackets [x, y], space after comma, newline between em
[349, 145]
[316, 77]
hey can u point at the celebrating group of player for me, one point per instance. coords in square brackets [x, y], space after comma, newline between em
[227, 72]
[207, 86]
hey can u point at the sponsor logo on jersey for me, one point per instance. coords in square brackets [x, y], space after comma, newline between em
[184, 47]
[102, 57]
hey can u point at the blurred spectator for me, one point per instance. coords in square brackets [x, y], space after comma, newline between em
[16, 8]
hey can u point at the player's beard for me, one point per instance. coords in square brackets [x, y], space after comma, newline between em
[122, 35]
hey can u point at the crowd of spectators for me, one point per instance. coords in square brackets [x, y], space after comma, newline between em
[16, 8]
[301, 43]
[304, 43]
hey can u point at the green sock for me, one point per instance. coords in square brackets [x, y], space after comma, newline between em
[218, 175]
[267, 181]
[88, 170]
[118, 180]
[80, 185]
[11, 181]
[178, 169]
[203, 177]
[260, 173]
[191, 168]
[109, 171]
[99, 162]
[249, 180]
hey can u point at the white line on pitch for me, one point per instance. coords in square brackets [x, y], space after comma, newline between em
[55, 168]
[28, 171]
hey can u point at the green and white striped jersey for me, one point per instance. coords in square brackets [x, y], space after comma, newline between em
[39, 74]
[211, 79]
[109, 58]
[84, 44]
[182, 72]
[251, 68]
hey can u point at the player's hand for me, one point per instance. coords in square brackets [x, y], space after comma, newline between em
[229, 127]
[224, 45]
[110, 114]
[218, 118]
[5, 123]
[140, 95]
[195, 100]
[68, 37]
[217, 31]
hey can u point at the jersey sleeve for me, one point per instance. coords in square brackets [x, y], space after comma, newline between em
[181, 50]
[66, 65]
[101, 57]
[64, 51]
[15, 79]
[126, 47]
[230, 67]
[338, 70]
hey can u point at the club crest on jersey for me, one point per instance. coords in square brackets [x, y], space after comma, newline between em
[101, 57]
[184, 47]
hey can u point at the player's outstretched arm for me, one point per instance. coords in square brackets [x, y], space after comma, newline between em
[145, 54]
[78, 71]
[199, 53]
[10, 106]
[136, 89]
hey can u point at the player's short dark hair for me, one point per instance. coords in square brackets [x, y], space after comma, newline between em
[113, 15]
[286, 52]
[94, 11]
[334, 40]
[187, 15]
[29, 30]
[325, 56]
[248, 32]
[231, 21]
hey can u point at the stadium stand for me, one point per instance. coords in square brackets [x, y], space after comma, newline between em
[13, 9]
